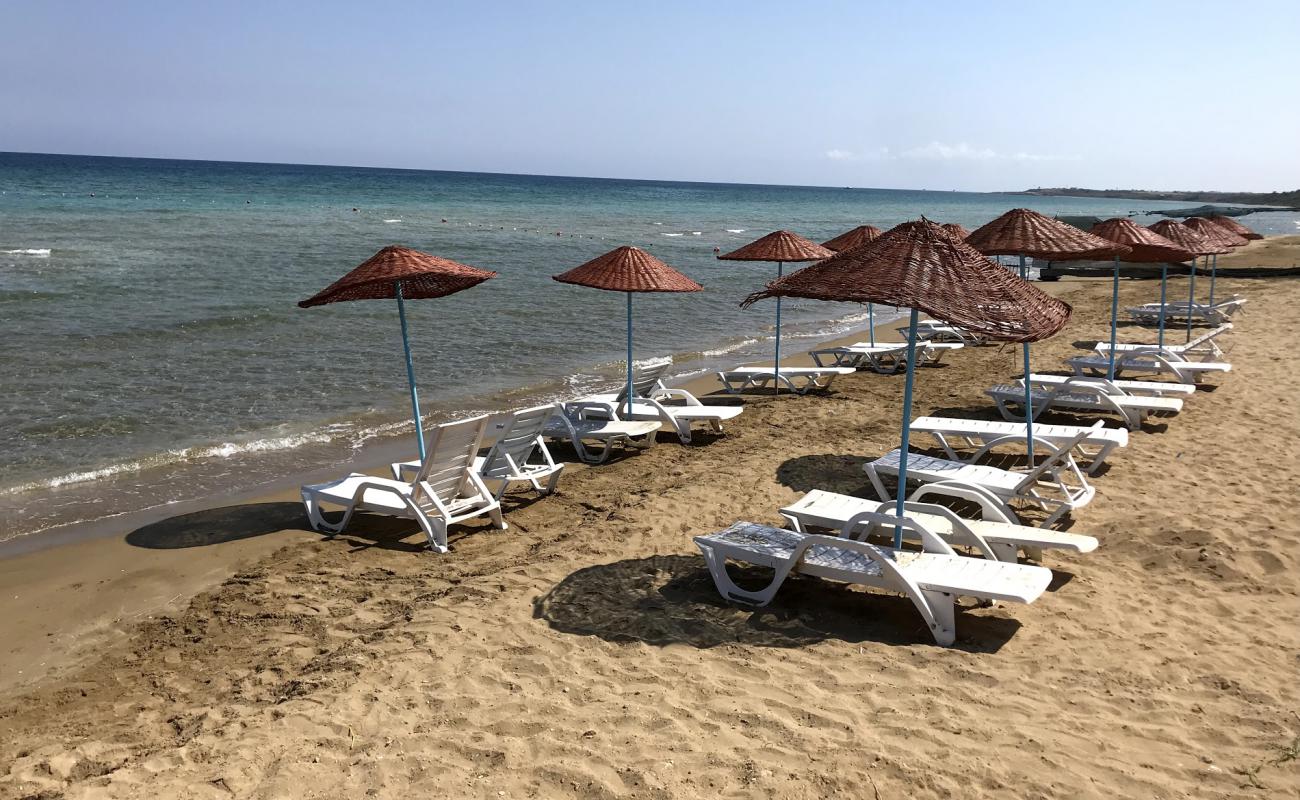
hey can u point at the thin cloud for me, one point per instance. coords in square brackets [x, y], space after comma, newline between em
[941, 151]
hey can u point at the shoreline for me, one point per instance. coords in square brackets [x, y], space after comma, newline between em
[385, 442]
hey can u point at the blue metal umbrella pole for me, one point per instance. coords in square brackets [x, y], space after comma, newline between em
[410, 370]
[1214, 267]
[1029, 391]
[907, 424]
[1191, 298]
[776, 361]
[1164, 282]
[629, 355]
[1114, 321]
[871, 322]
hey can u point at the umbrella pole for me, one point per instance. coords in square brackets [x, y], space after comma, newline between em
[1164, 278]
[907, 425]
[629, 355]
[410, 370]
[1214, 267]
[1114, 321]
[776, 362]
[1029, 391]
[1191, 298]
[871, 322]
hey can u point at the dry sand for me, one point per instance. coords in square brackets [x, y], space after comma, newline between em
[584, 652]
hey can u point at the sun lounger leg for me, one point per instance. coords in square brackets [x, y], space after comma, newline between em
[940, 613]
[870, 469]
[728, 588]
[316, 516]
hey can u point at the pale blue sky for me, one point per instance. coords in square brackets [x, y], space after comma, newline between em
[937, 95]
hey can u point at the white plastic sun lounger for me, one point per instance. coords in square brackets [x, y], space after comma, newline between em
[1152, 362]
[1055, 484]
[1081, 398]
[934, 330]
[1202, 348]
[676, 409]
[822, 509]
[569, 425]
[931, 579]
[1132, 388]
[445, 489]
[800, 380]
[983, 435]
[517, 456]
[1216, 314]
[883, 357]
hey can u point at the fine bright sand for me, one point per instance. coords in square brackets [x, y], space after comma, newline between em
[584, 652]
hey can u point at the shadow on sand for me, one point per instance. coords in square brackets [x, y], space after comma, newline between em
[665, 600]
[218, 525]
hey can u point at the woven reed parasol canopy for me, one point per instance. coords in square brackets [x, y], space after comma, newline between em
[422, 276]
[855, 238]
[1146, 246]
[919, 265]
[628, 269]
[1188, 239]
[1236, 227]
[1215, 233]
[960, 231]
[782, 246]
[1021, 232]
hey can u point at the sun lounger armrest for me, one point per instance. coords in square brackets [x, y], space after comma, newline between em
[580, 408]
[992, 508]
[885, 521]
[681, 394]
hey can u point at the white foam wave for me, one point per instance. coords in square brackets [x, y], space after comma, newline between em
[731, 348]
[29, 251]
[697, 233]
[202, 453]
[674, 234]
[392, 220]
[735, 230]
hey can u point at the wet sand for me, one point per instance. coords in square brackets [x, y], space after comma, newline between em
[584, 652]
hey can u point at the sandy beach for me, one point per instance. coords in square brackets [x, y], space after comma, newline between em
[228, 651]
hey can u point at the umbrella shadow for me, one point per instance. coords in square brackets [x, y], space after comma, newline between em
[665, 600]
[216, 526]
[831, 472]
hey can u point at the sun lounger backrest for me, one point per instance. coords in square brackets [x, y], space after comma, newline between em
[645, 379]
[449, 456]
[1061, 454]
[518, 440]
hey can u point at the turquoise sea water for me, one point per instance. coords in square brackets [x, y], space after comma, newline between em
[152, 349]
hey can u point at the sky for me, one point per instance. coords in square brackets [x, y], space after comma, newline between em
[936, 95]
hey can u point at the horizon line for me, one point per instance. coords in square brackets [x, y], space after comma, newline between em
[518, 174]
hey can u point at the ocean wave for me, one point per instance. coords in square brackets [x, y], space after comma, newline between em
[731, 348]
[170, 457]
[735, 230]
[28, 251]
[392, 220]
[674, 234]
[697, 233]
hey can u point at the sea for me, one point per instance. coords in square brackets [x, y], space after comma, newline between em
[152, 352]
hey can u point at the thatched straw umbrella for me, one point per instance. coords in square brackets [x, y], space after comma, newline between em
[1021, 232]
[863, 234]
[402, 273]
[1236, 227]
[920, 266]
[1215, 233]
[630, 270]
[853, 238]
[782, 247]
[1194, 243]
[960, 231]
[1145, 246]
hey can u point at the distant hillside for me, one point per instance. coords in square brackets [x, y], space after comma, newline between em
[1289, 199]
